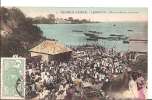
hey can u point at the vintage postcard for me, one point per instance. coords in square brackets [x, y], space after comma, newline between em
[74, 53]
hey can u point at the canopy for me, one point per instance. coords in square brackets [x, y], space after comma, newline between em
[50, 47]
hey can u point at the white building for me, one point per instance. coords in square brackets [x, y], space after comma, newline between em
[62, 21]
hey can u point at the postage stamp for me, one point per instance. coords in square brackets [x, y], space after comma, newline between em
[12, 76]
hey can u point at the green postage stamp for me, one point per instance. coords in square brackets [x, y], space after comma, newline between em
[12, 76]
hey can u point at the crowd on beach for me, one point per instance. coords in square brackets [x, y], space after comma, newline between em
[89, 66]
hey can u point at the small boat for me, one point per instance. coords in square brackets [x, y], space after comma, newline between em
[117, 38]
[98, 32]
[77, 31]
[92, 31]
[116, 35]
[126, 42]
[130, 30]
[90, 35]
[113, 38]
[114, 24]
[95, 32]
[123, 38]
[102, 37]
[92, 39]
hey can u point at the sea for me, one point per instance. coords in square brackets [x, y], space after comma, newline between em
[73, 34]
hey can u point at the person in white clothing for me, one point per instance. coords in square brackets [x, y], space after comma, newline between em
[133, 87]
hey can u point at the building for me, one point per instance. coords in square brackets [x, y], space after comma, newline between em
[62, 21]
[49, 50]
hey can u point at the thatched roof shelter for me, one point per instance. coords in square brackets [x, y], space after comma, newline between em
[48, 49]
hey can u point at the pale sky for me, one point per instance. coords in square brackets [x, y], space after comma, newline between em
[92, 13]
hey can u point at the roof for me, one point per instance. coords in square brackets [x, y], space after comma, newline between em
[50, 47]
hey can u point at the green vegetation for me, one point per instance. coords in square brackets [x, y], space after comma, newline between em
[43, 20]
[17, 32]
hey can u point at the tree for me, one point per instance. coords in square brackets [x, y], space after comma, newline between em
[51, 18]
[70, 19]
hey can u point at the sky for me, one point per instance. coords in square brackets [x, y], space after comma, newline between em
[90, 13]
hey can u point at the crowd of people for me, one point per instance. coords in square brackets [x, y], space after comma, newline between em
[89, 66]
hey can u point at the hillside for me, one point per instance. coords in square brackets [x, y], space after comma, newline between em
[18, 33]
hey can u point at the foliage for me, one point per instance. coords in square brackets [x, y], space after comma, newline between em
[19, 30]
[42, 20]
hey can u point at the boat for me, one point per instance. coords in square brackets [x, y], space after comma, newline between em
[92, 31]
[116, 38]
[95, 32]
[126, 42]
[116, 35]
[114, 24]
[92, 39]
[130, 30]
[77, 31]
[123, 38]
[90, 35]
[102, 37]
[113, 38]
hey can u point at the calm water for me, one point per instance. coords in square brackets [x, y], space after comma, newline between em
[64, 34]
